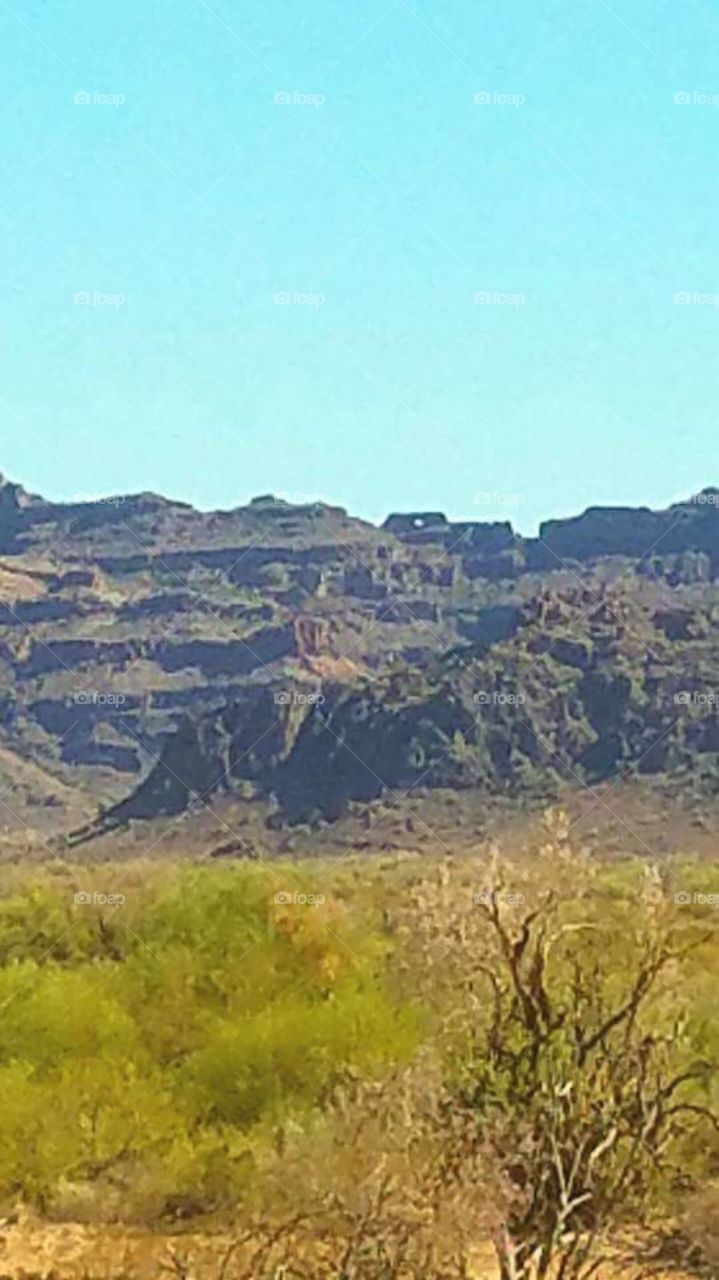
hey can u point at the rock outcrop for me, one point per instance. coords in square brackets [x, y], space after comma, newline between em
[126, 622]
[585, 684]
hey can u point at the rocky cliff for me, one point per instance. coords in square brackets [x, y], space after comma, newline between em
[151, 653]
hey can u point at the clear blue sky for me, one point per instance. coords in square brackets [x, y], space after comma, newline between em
[394, 196]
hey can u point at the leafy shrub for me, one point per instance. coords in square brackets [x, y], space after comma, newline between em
[155, 1043]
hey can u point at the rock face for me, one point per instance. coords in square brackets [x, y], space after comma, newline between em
[416, 521]
[631, 689]
[135, 630]
[626, 531]
[14, 501]
[691, 527]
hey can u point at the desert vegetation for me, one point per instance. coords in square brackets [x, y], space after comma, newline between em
[412, 1068]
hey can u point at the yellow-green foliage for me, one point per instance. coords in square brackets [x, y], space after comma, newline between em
[154, 1055]
[167, 1032]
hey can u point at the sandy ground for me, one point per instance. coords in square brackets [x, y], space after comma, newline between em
[38, 1251]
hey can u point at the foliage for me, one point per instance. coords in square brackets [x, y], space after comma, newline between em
[172, 1031]
[377, 1084]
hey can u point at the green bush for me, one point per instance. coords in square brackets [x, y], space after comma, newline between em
[151, 1043]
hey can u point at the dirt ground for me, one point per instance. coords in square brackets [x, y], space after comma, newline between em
[68, 1251]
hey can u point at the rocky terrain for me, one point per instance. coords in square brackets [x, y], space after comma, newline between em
[155, 658]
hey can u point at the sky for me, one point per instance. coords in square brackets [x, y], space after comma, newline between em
[399, 255]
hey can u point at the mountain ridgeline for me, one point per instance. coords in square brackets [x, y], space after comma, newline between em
[155, 657]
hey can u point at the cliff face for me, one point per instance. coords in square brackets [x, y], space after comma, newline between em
[136, 629]
[608, 531]
[592, 684]
[691, 526]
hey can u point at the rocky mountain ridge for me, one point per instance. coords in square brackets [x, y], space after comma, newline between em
[136, 630]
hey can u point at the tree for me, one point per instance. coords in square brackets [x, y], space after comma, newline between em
[578, 1100]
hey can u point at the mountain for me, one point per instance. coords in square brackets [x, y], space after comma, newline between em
[152, 654]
